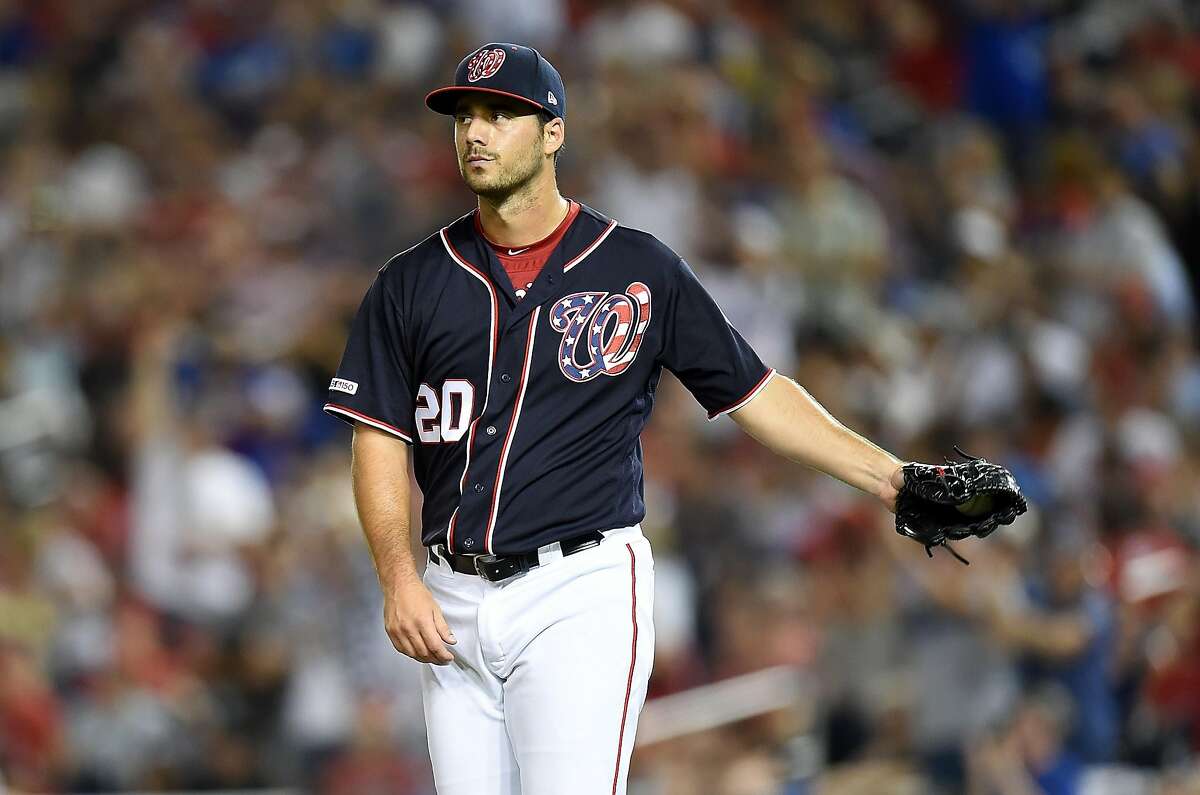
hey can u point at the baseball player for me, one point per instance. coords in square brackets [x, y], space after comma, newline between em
[517, 352]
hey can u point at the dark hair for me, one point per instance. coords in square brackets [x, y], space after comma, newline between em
[546, 117]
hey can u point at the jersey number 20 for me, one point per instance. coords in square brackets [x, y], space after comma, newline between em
[445, 419]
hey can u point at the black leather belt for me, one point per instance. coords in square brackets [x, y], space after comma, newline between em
[500, 567]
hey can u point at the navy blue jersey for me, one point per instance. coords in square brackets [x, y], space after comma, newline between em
[525, 415]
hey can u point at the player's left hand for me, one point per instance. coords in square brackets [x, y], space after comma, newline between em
[939, 503]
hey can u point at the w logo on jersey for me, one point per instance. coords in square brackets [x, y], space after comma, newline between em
[609, 329]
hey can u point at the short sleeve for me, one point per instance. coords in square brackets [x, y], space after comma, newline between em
[706, 352]
[373, 380]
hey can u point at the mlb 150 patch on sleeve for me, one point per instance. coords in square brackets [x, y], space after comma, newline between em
[342, 385]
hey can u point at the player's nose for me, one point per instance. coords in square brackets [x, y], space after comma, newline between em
[478, 130]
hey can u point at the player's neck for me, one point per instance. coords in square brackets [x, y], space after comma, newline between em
[524, 217]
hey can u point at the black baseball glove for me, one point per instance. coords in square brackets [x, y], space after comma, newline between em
[956, 501]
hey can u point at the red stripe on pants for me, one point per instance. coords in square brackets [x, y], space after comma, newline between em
[632, 662]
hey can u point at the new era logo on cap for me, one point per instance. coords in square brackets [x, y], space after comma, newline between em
[550, 98]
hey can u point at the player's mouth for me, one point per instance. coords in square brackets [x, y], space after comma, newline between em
[479, 159]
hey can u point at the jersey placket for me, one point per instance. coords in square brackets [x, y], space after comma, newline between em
[472, 528]
[493, 331]
[479, 506]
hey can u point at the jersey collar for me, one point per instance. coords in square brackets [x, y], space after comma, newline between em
[585, 235]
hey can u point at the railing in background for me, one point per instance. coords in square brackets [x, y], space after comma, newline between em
[728, 701]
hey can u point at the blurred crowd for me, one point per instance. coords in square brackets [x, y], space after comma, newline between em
[971, 222]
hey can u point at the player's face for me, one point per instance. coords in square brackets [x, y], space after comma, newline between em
[499, 144]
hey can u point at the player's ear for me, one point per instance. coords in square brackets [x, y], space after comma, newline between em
[554, 135]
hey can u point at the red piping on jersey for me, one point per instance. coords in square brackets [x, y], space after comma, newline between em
[607, 230]
[512, 429]
[380, 424]
[491, 289]
[746, 398]
[632, 663]
[493, 343]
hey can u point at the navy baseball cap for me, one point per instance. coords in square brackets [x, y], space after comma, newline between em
[510, 70]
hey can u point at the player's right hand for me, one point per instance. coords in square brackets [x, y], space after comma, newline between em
[415, 624]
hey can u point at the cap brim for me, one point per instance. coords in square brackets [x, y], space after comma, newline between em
[445, 100]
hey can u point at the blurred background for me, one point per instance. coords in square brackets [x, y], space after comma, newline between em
[966, 221]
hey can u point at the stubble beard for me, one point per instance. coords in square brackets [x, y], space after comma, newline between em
[512, 179]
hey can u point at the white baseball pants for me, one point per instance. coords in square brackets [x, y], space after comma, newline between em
[549, 673]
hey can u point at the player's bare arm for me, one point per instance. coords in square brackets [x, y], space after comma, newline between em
[789, 421]
[933, 503]
[413, 619]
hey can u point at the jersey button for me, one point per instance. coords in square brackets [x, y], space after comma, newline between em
[491, 430]
[505, 377]
[478, 488]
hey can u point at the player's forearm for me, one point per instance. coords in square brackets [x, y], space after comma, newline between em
[786, 419]
[381, 494]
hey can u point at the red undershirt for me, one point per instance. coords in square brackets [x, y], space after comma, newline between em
[524, 266]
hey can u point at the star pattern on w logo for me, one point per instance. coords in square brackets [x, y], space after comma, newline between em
[610, 326]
